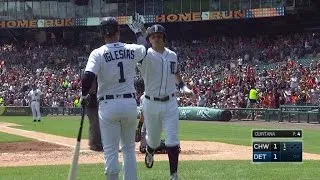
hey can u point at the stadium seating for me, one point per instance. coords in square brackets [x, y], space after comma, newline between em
[213, 72]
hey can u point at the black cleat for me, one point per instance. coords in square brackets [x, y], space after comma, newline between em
[142, 149]
[96, 148]
[148, 160]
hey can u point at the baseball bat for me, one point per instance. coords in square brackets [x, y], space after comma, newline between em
[76, 153]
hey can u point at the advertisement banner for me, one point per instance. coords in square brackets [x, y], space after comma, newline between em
[18, 111]
[45, 23]
[204, 114]
[15, 111]
[185, 113]
[216, 15]
[185, 17]
[40, 23]
[163, 18]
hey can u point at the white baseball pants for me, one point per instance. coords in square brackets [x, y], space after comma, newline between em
[35, 108]
[143, 135]
[118, 119]
[158, 116]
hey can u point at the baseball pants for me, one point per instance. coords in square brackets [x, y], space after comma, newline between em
[118, 119]
[35, 108]
[158, 116]
[143, 142]
[94, 128]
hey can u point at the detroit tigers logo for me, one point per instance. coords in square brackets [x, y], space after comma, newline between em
[173, 67]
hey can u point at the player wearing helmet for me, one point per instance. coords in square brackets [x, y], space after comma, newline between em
[160, 72]
[114, 66]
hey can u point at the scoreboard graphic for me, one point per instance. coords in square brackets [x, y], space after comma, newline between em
[277, 146]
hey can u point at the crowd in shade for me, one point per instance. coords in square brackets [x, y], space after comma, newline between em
[221, 70]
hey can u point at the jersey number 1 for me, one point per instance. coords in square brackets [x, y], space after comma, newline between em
[121, 80]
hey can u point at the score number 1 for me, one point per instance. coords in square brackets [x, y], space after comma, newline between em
[275, 150]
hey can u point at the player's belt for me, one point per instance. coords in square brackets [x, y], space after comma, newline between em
[106, 97]
[163, 99]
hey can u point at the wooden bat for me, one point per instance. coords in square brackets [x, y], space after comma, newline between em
[76, 153]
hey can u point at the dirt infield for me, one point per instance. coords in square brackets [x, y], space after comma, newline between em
[47, 149]
[30, 146]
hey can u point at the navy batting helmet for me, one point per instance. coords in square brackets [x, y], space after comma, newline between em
[109, 26]
[157, 28]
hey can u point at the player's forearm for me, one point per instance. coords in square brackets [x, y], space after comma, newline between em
[179, 80]
[182, 85]
[141, 39]
[140, 123]
[143, 30]
[86, 81]
[141, 118]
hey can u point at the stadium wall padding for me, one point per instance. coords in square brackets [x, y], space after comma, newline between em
[204, 114]
[18, 111]
[185, 113]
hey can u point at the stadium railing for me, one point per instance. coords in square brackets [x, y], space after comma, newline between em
[291, 112]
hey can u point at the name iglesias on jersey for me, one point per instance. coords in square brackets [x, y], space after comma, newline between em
[119, 54]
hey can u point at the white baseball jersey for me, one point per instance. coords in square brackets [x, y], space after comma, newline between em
[35, 95]
[158, 71]
[114, 64]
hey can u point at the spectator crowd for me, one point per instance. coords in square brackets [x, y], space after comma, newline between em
[221, 70]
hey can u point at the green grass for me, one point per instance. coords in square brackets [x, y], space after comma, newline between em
[237, 134]
[4, 138]
[188, 170]
[67, 126]
[189, 130]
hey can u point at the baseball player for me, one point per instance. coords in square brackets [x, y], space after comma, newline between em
[114, 66]
[1, 99]
[35, 96]
[160, 72]
[95, 143]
